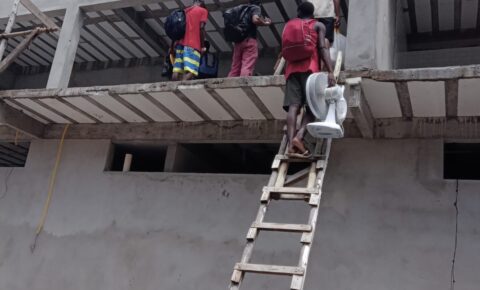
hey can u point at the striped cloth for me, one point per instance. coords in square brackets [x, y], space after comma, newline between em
[187, 59]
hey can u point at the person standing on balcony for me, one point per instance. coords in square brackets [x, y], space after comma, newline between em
[327, 12]
[245, 53]
[188, 50]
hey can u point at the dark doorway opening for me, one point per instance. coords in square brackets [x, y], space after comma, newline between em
[461, 161]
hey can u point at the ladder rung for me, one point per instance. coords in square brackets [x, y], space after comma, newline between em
[289, 196]
[270, 269]
[282, 227]
[297, 160]
[291, 190]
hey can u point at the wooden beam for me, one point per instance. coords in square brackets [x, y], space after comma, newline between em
[8, 28]
[17, 51]
[404, 99]
[359, 108]
[39, 14]
[296, 177]
[20, 122]
[23, 33]
[451, 98]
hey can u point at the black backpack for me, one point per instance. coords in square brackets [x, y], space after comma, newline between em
[176, 24]
[237, 23]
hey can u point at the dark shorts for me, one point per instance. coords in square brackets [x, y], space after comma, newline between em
[330, 25]
[295, 91]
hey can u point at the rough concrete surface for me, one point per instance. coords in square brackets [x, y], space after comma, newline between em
[387, 221]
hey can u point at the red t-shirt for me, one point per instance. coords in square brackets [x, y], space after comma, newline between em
[196, 15]
[308, 65]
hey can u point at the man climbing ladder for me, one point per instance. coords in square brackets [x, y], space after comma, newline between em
[279, 188]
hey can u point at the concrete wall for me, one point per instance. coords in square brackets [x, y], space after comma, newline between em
[7, 79]
[387, 221]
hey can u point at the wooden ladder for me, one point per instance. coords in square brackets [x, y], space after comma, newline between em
[278, 189]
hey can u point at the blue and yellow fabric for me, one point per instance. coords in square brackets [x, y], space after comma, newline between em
[187, 59]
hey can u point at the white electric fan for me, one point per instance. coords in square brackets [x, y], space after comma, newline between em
[328, 105]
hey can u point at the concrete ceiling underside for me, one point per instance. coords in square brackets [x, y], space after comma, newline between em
[393, 104]
[439, 24]
[135, 35]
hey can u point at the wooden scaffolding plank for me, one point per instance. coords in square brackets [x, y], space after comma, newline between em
[23, 33]
[18, 50]
[8, 28]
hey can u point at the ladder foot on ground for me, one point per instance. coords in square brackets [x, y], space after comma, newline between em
[279, 188]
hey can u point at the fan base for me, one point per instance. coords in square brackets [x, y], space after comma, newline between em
[325, 130]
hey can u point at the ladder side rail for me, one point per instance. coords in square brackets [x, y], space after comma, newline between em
[276, 175]
[299, 281]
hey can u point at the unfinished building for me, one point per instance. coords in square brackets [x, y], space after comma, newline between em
[400, 207]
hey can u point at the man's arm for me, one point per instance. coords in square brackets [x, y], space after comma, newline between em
[257, 18]
[203, 35]
[324, 52]
[337, 12]
[261, 21]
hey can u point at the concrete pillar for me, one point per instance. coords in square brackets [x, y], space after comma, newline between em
[66, 48]
[371, 35]
[171, 158]
[179, 159]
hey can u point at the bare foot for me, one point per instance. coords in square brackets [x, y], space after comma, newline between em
[296, 143]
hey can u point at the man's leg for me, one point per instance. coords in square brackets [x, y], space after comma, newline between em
[307, 115]
[178, 65]
[191, 61]
[307, 118]
[292, 114]
[250, 57]
[188, 76]
[236, 61]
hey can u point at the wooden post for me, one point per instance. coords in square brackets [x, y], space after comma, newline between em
[8, 29]
[127, 163]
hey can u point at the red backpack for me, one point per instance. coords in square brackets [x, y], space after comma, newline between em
[298, 42]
